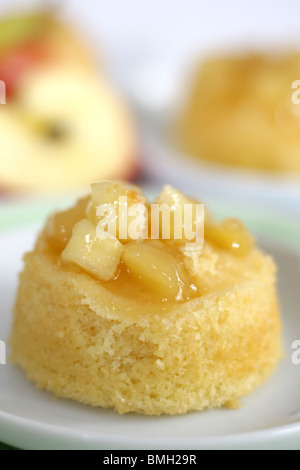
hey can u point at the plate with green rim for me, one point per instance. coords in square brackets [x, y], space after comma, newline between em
[269, 419]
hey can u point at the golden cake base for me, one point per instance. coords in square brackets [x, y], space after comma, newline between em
[75, 338]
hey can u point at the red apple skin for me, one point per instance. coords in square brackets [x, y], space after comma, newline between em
[16, 63]
[133, 173]
[20, 59]
[52, 41]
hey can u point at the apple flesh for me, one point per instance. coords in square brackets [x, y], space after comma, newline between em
[63, 126]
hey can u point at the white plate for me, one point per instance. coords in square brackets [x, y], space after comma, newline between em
[270, 417]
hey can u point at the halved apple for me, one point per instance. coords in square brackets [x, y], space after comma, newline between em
[63, 126]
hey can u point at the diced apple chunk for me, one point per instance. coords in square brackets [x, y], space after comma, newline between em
[125, 205]
[59, 227]
[182, 212]
[106, 192]
[157, 269]
[100, 258]
[231, 235]
[173, 197]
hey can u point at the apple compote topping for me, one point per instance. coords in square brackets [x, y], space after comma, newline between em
[59, 227]
[110, 236]
[231, 235]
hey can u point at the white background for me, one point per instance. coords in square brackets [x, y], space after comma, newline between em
[176, 29]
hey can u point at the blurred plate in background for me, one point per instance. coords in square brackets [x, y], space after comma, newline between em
[164, 163]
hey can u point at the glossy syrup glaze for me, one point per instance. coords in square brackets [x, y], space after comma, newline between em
[147, 270]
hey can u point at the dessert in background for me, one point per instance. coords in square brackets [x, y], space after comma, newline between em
[145, 325]
[63, 124]
[239, 112]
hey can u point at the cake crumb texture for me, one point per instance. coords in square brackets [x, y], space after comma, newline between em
[78, 340]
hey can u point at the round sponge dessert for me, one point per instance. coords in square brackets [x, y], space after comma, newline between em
[243, 111]
[145, 325]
